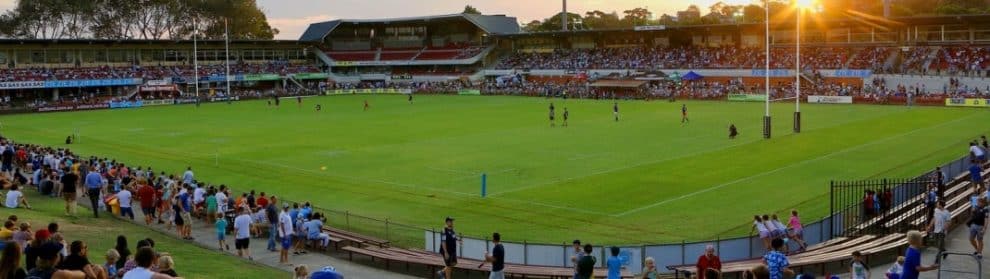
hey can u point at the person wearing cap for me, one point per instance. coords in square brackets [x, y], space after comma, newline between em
[285, 233]
[497, 258]
[707, 261]
[448, 247]
[578, 254]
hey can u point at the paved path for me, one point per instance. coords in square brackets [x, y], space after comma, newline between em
[956, 242]
[205, 236]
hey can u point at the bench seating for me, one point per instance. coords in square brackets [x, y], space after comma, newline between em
[434, 261]
[356, 238]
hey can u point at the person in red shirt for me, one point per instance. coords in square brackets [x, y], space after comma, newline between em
[146, 194]
[262, 201]
[708, 261]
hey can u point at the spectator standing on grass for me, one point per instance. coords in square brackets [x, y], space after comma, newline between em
[978, 226]
[94, 188]
[586, 265]
[70, 182]
[707, 261]
[212, 207]
[912, 258]
[939, 225]
[497, 258]
[776, 261]
[146, 194]
[242, 229]
[10, 262]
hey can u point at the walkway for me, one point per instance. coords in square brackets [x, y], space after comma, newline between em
[205, 237]
[955, 242]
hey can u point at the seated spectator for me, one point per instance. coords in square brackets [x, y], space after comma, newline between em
[110, 265]
[49, 257]
[10, 262]
[15, 198]
[166, 265]
[7, 232]
[23, 235]
[649, 269]
[33, 249]
[894, 272]
[78, 260]
[145, 257]
[314, 231]
[707, 261]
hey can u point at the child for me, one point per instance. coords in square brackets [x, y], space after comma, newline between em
[858, 268]
[111, 265]
[895, 270]
[301, 272]
[221, 226]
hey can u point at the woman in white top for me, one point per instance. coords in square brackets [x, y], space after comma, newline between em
[779, 227]
[760, 227]
[144, 258]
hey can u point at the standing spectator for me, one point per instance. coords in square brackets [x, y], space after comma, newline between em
[649, 269]
[211, 207]
[242, 227]
[262, 200]
[939, 225]
[10, 262]
[497, 258]
[124, 198]
[448, 247]
[187, 177]
[578, 254]
[941, 179]
[94, 188]
[759, 226]
[978, 153]
[70, 182]
[796, 229]
[976, 173]
[185, 210]
[586, 265]
[271, 212]
[146, 194]
[912, 258]
[221, 227]
[776, 261]
[285, 233]
[931, 200]
[708, 261]
[15, 198]
[614, 264]
[858, 268]
[977, 227]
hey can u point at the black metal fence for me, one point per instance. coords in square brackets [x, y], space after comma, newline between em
[880, 206]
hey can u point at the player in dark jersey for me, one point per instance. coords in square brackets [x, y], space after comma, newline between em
[615, 111]
[732, 131]
[567, 114]
[366, 105]
[299, 101]
[684, 118]
[410, 98]
[276, 100]
[319, 107]
[552, 114]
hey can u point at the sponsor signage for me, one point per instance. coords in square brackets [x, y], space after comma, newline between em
[650, 28]
[967, 102]
[160, 102]
[773, 73]
[185, 101]
[21, 84]
[469, 92]
[126, 104]
[852, 73]
[157, 82]
[370, 91]
[151, 88]
[92, 82]
[747, 98]
[311, 76]
[830, 99]
[71, 107]
[223, 99]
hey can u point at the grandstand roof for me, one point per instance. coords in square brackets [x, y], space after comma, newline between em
[141, 41]
[491, 24]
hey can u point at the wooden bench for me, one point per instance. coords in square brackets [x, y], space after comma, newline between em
[357, 238]
[434, 262]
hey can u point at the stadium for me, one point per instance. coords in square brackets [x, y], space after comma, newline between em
[566, 148]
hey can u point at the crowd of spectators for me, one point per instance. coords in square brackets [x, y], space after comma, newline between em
[151, 72]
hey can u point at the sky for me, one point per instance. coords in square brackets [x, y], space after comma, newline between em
[292, 17]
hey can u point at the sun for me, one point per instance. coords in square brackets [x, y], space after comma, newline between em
[805, 4]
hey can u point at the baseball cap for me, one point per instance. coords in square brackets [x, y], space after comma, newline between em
[42, 234]
[285, 205]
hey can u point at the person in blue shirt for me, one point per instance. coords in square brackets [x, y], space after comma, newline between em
[976, 173]
[614, 264]
[94, 187]
[776, 261]
[306, 211]
[314, 231]
[912, 258]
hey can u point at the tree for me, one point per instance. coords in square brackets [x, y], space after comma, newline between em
[601, 20]
[532, 26]
[753, 13]
[636, 16]
[471, 10]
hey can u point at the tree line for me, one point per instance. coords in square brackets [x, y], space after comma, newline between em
[135, 19]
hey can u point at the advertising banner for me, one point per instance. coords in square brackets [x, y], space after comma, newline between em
[161, 102]
[92, 82]
[311, 76]
[967, 102]
[747, 98]
[126, 104]
[71, 107]
[21, 84]
[830, 99]
[223, 99]
[469, 92]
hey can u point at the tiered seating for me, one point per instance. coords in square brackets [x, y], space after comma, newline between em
[839, 249]
[352, 55]
[397, 55]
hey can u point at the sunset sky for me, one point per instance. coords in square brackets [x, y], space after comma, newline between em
[292, 16]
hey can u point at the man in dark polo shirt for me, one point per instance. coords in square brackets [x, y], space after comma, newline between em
[70, 182]
[497, 258]
[448, 247]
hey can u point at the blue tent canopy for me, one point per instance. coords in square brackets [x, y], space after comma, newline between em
[692, 76]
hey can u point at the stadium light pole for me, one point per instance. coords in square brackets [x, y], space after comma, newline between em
[226, 39]
[766, 116]
[195, 57]
[797, 75]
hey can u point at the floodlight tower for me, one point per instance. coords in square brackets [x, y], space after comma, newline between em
[563, 16]
[766, 115]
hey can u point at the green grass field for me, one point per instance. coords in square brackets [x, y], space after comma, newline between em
[645, 179]
[100, 234]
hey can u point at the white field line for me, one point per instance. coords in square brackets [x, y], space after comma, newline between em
[723, 185]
